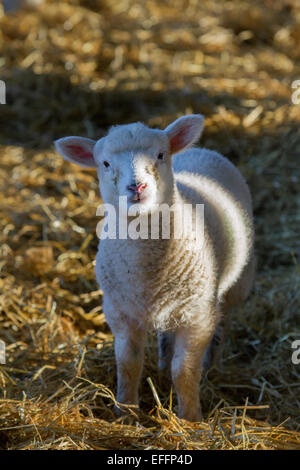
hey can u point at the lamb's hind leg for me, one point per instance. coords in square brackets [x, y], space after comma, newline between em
[189, 347]
[237, 294]
[213, 353]
[165, 350]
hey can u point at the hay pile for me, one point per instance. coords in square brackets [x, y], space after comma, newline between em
[75, 68]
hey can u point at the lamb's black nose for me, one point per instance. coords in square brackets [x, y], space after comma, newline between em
[132, 187]
[137, 187]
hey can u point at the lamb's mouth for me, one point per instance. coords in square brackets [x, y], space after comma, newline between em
[137, 199]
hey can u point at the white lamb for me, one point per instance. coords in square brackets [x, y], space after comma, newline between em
[180, 287]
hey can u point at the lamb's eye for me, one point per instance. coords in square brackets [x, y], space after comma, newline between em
[160, 156]
[105, 163]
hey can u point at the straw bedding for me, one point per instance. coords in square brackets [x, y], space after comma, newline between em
[75, 68]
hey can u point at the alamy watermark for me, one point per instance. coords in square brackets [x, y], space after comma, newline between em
[2, 92]
[296, 353]
[2, 352]
[296, 93]
[184, 221]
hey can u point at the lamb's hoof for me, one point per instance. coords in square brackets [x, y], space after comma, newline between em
[194, 416]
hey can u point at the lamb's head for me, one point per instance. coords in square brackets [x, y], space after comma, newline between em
[135, 161]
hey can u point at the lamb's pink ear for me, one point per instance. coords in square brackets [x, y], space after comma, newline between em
[184, 132]
[77, 150]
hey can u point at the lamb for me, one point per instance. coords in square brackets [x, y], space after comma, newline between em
[180, 287]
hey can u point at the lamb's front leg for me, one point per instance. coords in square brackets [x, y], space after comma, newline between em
[190, 345]
[129, 351]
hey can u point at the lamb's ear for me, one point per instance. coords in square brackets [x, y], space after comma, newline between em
[184, 132]
[77, 150]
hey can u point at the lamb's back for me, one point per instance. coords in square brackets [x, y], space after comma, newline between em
[209, 165]
[206, 177]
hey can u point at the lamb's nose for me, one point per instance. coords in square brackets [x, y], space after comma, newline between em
[137, 188]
